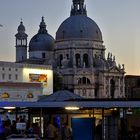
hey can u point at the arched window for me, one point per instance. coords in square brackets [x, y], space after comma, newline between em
[96, 90]
[112, 88]
[19, 42]
[60, 60]
[85, 60]
[84, 81]
[78, 60]
[43, 55]
[23, 42]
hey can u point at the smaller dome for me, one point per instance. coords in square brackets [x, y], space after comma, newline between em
[42, 41]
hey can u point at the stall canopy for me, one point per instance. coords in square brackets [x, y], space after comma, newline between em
[65, 98]
[62, 95]
[81, 104]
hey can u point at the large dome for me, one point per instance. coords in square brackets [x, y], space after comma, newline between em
[42, 41]
[79, 27]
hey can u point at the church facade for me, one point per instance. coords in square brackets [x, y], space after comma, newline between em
[77, 54]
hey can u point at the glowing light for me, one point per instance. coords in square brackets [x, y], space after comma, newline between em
[113, 109]
[10, 107]
[72, 108]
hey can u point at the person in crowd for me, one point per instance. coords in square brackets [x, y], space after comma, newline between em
[13, 127]
[37, 130]
[1, 130]
[21, 119]
[7, 129]
[7, 120]
[31, 130]
[99, 130]
[51, 131]
[66, 132]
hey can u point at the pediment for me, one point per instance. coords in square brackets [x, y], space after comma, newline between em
[115, 69]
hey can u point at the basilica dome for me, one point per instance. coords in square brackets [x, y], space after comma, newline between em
[79, 27]
[42, 41]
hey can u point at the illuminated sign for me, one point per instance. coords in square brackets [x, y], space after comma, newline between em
[39, 78]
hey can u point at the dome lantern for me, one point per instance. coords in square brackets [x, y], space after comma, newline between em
[78, 8]
[42, 26]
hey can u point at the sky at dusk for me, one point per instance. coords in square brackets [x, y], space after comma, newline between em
[118, 20]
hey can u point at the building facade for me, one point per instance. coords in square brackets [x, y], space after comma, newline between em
[25, 80]
[132, 88]
[20, 91]
[78, 54]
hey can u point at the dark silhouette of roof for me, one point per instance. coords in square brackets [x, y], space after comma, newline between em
[62, 95]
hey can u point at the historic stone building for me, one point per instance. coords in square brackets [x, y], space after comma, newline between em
[77, 53]
[132, 88]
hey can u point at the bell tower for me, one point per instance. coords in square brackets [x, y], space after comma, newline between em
[21, 43]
